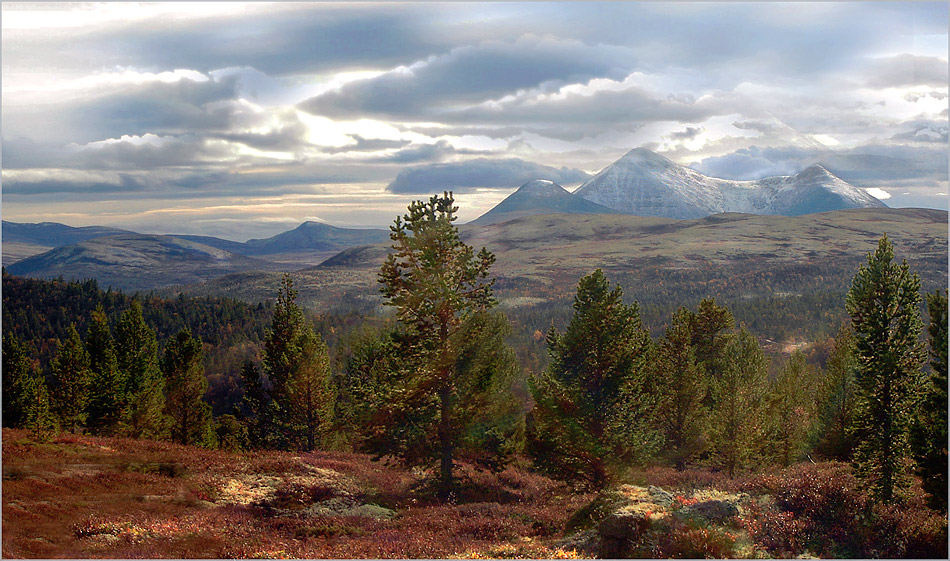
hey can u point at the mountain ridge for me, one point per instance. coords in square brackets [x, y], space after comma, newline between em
[645, 183]
[540, 196]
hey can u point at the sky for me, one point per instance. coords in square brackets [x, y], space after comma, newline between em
[244, 120]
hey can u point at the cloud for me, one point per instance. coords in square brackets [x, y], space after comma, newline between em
[687, 134]
[479, 173]
[879, 194]
[471, 74]
[909, 70]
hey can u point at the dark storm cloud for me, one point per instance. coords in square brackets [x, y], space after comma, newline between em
[472, 74]
[479, 173]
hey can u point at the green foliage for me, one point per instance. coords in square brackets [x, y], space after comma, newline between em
[39, 418]
[681, 387]
[436, 283]
[107, 393]
[137, 357]
[298, 402]
[736, 423]
[928, 435]
[596, 374]
[254, 406]
[838, 400]
[186, 387]
[71, 379]
[231, 433]
[310, 394]
[17, 381]
[883, 304]
[791, 404]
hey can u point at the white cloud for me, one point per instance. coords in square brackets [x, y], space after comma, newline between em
[878, 193]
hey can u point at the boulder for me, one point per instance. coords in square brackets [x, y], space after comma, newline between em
[710, 511]
[620, 531]
[660, 496]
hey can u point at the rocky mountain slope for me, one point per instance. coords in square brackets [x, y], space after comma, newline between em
[540, 197]
[647, 184]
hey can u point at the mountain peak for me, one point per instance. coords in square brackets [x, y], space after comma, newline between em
[815, 171]
[642, 156]
[541, 188]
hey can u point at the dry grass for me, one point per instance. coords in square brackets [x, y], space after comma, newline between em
[86, 497]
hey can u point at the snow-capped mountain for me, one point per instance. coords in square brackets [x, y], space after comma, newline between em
[540, 197]
[644, 183]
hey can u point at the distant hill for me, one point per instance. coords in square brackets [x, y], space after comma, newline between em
[740, 259]
[304, 246]
[647, 184]
[540, 197]
[315, 236]
[137, 262]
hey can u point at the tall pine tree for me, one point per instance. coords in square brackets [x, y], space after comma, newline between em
[791, 405]
[737, 421]
[17, 381]
[71, 379]
[309, 391]
[929, 428]
[837, 404]
[185, 403]
[137, 357]
[436, 283]
[883, 304]
[596, 374]
[107, 393]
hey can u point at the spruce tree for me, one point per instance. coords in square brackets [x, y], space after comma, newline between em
[682, 389]
[309, 390]
[254, 407]
[71, 380]
[107, 393]
[137, 357]
[791, 409]
[436, 283]
[736, 425]
[596, 373]
[185, 403]
[17, 382]
[929, 429]
[39, 418]
[837, 404]
[883, 304]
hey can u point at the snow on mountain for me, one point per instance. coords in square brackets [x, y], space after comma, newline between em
[645, 183]
[540, 197]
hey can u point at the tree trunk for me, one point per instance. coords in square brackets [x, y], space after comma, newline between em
[445, 443]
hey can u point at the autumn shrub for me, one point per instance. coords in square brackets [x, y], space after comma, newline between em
[900, 531]
[683, 541]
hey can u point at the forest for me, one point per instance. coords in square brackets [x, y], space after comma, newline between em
[437, 383]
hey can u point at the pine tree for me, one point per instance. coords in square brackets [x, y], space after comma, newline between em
[185, 379]
[309, 390]
[596, 373]
[436, 283]
[137, 357]
[838, 400]
[682, 389]
[883, 304]
[254, 406]
[736, 421]
[39, 419]
[929, 428]
[282, 342]
[107, 393]
[17, 382]
[791, 409]
[71, 379]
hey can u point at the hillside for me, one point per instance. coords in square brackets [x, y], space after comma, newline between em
[657, 260]
[137, 262]
[85, 497]
[647, 184]
[21, 240]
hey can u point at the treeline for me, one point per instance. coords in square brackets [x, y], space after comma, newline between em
[39, 313]
[438, 382]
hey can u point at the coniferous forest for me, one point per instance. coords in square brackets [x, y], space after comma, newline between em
[847, 438]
